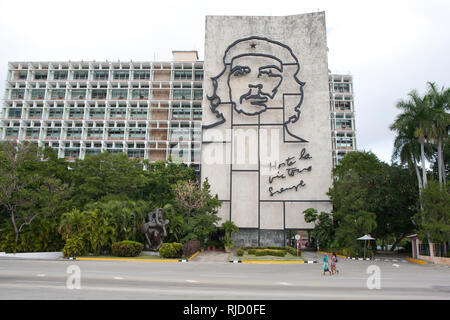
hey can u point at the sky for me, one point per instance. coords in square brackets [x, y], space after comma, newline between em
[390, 47]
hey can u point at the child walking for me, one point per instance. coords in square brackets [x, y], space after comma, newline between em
[325, 265]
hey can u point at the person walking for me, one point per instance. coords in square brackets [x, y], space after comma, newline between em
[333, 263]
[325, 265]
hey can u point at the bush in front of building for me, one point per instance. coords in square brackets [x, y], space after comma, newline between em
[270, 252]
[171, 250]
[75, 247]
[127, 248]
[292, 251]
[239, 252]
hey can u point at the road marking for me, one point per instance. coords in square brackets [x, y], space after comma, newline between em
[118, 278]
[191, 281]
[284, 283]
[41, 275]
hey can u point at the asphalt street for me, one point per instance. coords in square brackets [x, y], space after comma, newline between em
[219, 279]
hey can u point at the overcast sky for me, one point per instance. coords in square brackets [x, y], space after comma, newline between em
[390, 47]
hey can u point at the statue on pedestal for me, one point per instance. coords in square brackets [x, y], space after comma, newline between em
[154, 229]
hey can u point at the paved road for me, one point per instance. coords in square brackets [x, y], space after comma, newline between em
[24, 279]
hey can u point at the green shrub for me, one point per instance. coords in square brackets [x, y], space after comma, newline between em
[171, 250]
[251, 251]
[270, 252]
[292, 251]
[126, 248]
[75, 247]
[239, 252]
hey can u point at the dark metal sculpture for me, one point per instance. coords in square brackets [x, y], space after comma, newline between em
[154, 229]
[247, 47]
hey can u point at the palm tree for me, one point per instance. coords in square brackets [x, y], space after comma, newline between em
[440, 105]
[416, 116]
[407, 150]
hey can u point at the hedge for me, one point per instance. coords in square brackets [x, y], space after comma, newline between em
[171, 250]
[126, 248]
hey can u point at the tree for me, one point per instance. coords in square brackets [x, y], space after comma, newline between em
[29, 187]
[160, 178]
[350, 194]
[440, 105]
[394, 198]
[323, 231]
[434, 220]
[229, 227]
[417, 115]
[110, 175]
[198, 208]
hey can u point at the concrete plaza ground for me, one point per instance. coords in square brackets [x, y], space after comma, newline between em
[210, 276]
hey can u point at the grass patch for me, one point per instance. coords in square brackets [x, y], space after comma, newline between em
[287, 257]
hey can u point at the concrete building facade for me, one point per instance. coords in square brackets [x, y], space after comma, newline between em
[149, 110]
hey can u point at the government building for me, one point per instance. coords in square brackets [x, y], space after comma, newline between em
[262, 117]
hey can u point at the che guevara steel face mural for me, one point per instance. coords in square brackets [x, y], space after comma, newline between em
[254, 73]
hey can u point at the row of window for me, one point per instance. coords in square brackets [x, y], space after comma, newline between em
[99, 133]
[103, 75]
[100, 113]
[59, 94]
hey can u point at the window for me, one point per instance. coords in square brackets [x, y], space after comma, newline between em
[118, 113]
[182, 94]
[56, 113]
[343, 124]
[135, 153]
[12, 132]
[121, 75]
[72, 152]
[101, 75]
[97, 113]
[17, 93]
[40, 76]
[22, 75]
[181, 113]
[58, 93]
[119, 93]
[198, 94]
[99, 93]
[182, 75]
[138, 113]
[142, 75]
[76, 113]
[33, 132]
[140, 93]
[60, 75]
[198, 75]
[95, 132]
[53, 132]
[342, 87]
[137, 133]
[197, 114]
[37, 93]
[78, 94]
[14, 112]
[35, 113]
[74, 132]
[115, 133]
[80, 75]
